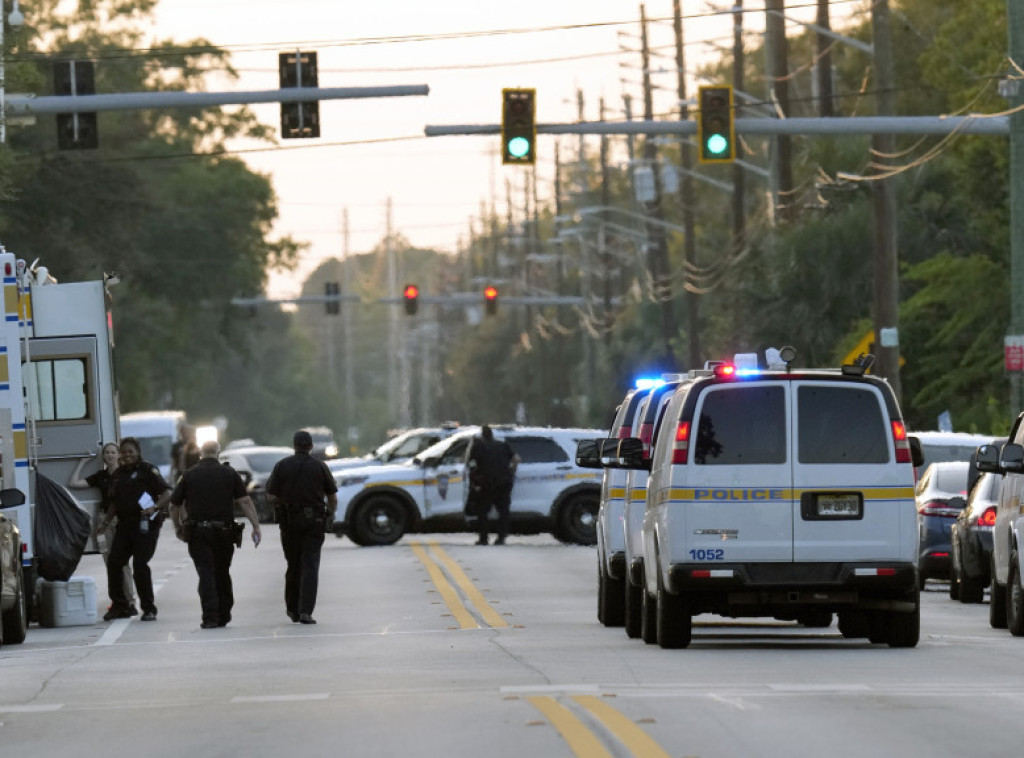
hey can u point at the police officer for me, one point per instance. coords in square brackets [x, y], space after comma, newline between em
[202, 510]
[492, 467]
[138, 496]
[303, 493]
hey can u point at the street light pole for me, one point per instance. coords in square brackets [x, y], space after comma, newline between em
[17, 18]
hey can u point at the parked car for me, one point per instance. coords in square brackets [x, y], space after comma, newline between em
[14, 595]
[948, 446]
[254, 464]
[324, 446]
[399, 448]
[1006, 591]
[971, 541]
[940, 495]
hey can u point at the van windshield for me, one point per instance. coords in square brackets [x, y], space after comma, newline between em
[156, 450]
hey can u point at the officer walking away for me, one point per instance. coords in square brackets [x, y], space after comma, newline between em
[491, 464]
[202, 511]
[138, 496]
[303, 493]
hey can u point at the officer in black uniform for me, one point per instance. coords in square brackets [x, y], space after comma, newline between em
[491, 464]
[202, 510]
[138, 496]
[304, 496]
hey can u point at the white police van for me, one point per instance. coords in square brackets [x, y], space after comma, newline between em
[379, 504]
[781, 492]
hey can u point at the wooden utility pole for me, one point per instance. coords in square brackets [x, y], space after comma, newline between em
[1015, 336]
[739, 173]
[778, 78]
[687, 197]
[824, 62]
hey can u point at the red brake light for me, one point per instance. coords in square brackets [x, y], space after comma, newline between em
[988, 518]
[646, 435]
[623, 432]
[938, 508]
[682, 444]
[899, 438]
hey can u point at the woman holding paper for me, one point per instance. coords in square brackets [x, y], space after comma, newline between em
[138, 497]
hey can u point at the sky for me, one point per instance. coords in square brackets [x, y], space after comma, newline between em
[373, 152]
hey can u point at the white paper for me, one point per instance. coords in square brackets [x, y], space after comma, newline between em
[146, 501]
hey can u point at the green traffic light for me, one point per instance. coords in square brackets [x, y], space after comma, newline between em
[519, 147]
[716, 144]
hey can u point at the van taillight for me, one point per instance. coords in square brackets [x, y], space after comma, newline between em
[623, 432]
[899, 438]
[988, 518]
[682, 444]
[646, 435]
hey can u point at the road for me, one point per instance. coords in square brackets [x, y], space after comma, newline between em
[437, 647]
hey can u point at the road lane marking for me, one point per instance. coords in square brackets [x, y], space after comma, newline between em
[633, 737]
[30, 708]
[476, 597]
[582, 741]
[445, 589]
[280, 698]
[118, 626]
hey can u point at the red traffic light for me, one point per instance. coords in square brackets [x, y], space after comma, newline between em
[411, 294]
[491, 299]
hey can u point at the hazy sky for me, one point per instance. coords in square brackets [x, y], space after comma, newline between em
[436, 185]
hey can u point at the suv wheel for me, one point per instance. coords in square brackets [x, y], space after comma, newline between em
[996, 603]
[577, 519]
[381, 520]
[611, 597]
[675, 625]
[1014, 599]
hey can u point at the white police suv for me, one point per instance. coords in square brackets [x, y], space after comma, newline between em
[781, 492]
[379, 504]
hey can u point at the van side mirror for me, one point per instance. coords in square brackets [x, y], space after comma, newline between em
[987, 459]
[631, 454]
[1011, 460]
[916, 451]
[9, 498]
[588, 453]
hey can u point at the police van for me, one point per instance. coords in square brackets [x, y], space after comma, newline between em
[780, 492]
[377, 505]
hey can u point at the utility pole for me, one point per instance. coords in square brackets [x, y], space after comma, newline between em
[602, 245]
[887, 313]
[346, 314]
[1015, 18]
[824, 62]
[739, 173]
[658, 252]
[778, 81]
[687, 196]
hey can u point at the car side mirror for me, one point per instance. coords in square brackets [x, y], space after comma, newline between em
[987, 459]
[9, 498]
[916, 451]
[1011, 460]
[588, 453]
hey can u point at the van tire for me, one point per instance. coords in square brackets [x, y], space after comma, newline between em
[852, 624]
[611, 598]
[648, 617]
[972, 590]
[996, 603]
[954, 581]
[1014, 599]
[379, 520]
[904, 629]
[673, 619]
[634, 609]
[15, 621]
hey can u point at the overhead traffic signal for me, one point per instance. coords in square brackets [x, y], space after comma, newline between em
[75, 131]
[716, 133]
[411, 296]
[299, 120]
[491, 299]
[332, 304]
[518, 126]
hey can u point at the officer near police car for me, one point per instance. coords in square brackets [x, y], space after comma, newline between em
[304, 495]
[202, 510]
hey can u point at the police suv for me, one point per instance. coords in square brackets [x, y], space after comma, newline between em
[379, 504]
[781, 492]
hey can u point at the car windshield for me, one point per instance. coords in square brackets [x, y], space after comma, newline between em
[951, 478]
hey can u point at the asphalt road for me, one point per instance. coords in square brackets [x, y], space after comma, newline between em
[437, 647]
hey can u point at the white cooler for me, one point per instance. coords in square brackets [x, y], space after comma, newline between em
[70, 603]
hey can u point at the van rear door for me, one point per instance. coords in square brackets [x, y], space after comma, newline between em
[737, 483]
[847, 486]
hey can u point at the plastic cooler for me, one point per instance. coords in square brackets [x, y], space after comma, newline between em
[70, 603]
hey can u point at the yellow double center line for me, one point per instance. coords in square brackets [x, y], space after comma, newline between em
[582, 741]
[449, 594]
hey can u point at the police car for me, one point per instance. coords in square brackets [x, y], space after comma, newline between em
[780, 492]
[399, 448]
[379, 504]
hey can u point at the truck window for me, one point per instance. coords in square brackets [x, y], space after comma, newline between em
[840, 425]
[60, 389]
[742, 426]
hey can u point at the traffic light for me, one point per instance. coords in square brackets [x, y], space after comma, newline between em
[411, 295]
[299, 120]
[715, 130]
[75, 131]
[491, 299]
[333, 305]
[518, 129]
